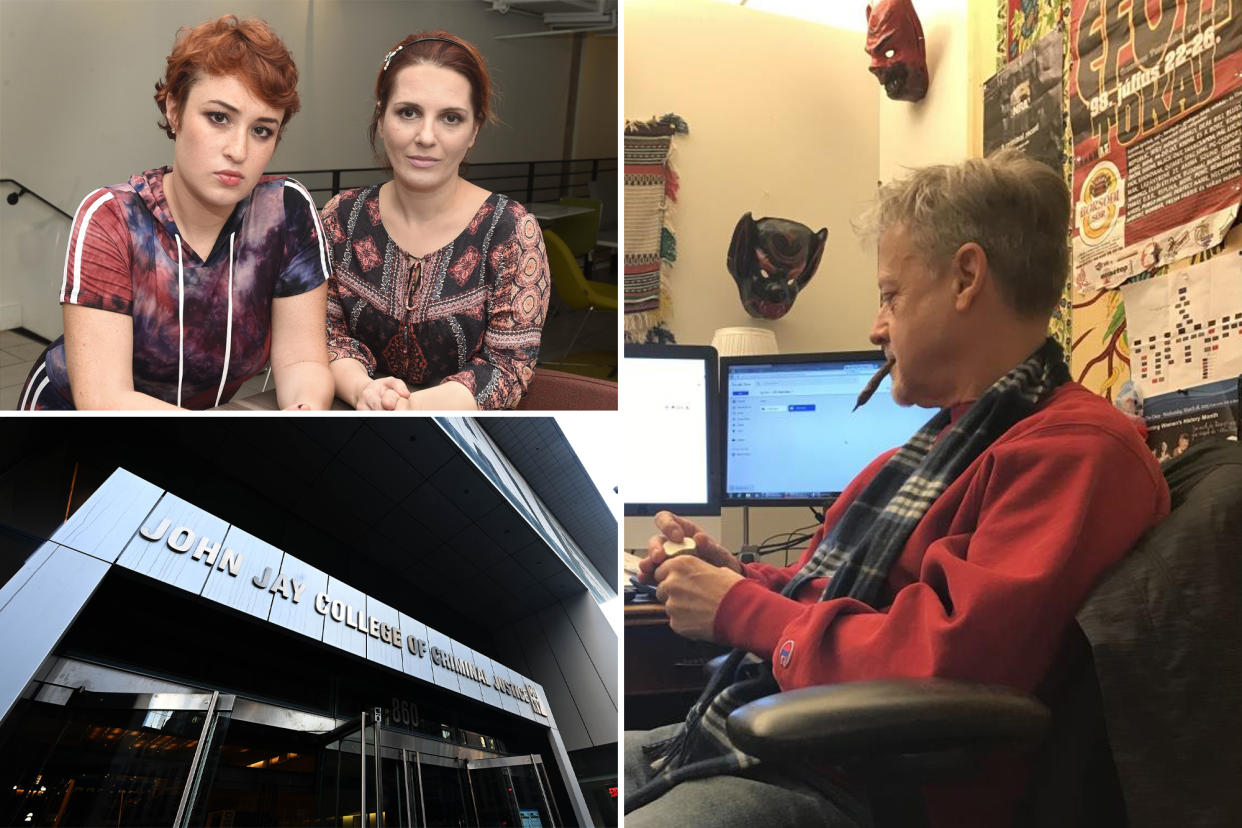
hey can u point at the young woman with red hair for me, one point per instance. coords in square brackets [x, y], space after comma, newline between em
[181, 283]
[439, 288]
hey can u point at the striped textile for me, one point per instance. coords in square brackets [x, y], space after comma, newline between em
[856, 555]
[650, 185]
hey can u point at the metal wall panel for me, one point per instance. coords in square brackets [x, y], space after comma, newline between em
[542, 659]
[353, 602]
[415, 664]
[523, 706]
[506, 701]
[444, 678]
[378, 650]
[599, 638]
[509, 649]
[27, 571]
[302, 616]
[582, 678]
[103, 525]
[479, 449]
[159, 534]
[469, 687]
[184, 531]
[488, 692]
[38, 614]
[243, 592]
[543, 700]
[583, 816]
[512, 647]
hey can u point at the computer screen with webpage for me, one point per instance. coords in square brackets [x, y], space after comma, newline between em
[668, 394]
[790, 434]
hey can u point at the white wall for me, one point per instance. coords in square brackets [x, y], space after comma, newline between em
[77, 110]
[786, 120]
[946, 126]
[783, 122]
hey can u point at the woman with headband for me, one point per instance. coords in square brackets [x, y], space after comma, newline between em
[181, 283]
[439, 288]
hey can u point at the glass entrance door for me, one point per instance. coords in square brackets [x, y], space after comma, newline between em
[512, 790]
[193, 758]
[272, 766]
[410, 787]
[103, 758]
[399, 787]
[445, 789]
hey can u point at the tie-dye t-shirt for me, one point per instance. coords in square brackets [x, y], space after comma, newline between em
[201, 328]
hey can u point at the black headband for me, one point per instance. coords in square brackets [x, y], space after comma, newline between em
[388, 57]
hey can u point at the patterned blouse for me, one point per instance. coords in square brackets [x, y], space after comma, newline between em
[201, 328]
[471, 312]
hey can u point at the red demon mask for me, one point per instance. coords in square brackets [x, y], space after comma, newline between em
[898, 53]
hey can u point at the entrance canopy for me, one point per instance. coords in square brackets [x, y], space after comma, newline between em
[131, 523]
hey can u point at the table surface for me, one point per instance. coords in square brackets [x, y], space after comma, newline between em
[552, 210]
[645, 614]
[266, 401]
[658, 661]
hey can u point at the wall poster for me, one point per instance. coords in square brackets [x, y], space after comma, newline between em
[1185, 327]
[1179, 419]
[1022, 103]
[1156, 115]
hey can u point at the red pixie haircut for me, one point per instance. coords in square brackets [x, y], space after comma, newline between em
[246, 49]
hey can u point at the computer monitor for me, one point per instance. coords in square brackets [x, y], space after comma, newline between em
[790, 436]
[672, 434]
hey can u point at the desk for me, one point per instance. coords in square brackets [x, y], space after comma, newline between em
[663, 671]
[266, 401]
[552, 210]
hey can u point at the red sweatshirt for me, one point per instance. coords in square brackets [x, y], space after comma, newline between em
[989, 581]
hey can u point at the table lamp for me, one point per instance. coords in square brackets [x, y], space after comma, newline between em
[744, 341]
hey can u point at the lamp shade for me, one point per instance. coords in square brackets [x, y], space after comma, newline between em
[744, 341]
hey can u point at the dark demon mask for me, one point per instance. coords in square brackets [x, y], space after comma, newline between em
[771, 260]
[898, 53]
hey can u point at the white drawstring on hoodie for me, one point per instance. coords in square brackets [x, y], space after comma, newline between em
[228, 328]
[180, 320]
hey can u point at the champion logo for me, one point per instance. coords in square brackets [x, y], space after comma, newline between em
[786, 652]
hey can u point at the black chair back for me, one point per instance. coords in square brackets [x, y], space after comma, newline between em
[1146, 730]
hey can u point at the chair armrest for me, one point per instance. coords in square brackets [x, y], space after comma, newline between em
[713, 664]
[875, 719]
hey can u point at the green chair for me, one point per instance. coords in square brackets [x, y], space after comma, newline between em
[580, 232]
[574, 289]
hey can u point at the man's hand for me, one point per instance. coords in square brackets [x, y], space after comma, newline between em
[676, 528]
[691, 591]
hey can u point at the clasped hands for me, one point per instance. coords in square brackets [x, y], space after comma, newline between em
[384, 394]
[690, 585]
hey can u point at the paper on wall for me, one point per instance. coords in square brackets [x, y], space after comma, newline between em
[1185, 328]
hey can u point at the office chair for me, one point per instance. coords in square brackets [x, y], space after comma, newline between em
[604, 190]
[559, 391]
[581, 231]
[574, 289]
[1142, 733]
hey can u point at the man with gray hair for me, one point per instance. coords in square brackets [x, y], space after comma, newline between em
[963, 554]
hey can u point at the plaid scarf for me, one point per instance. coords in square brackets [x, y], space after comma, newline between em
[856, 557]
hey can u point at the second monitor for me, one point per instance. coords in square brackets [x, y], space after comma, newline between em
[790, 435]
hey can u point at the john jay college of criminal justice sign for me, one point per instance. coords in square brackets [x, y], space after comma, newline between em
[163, 537]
